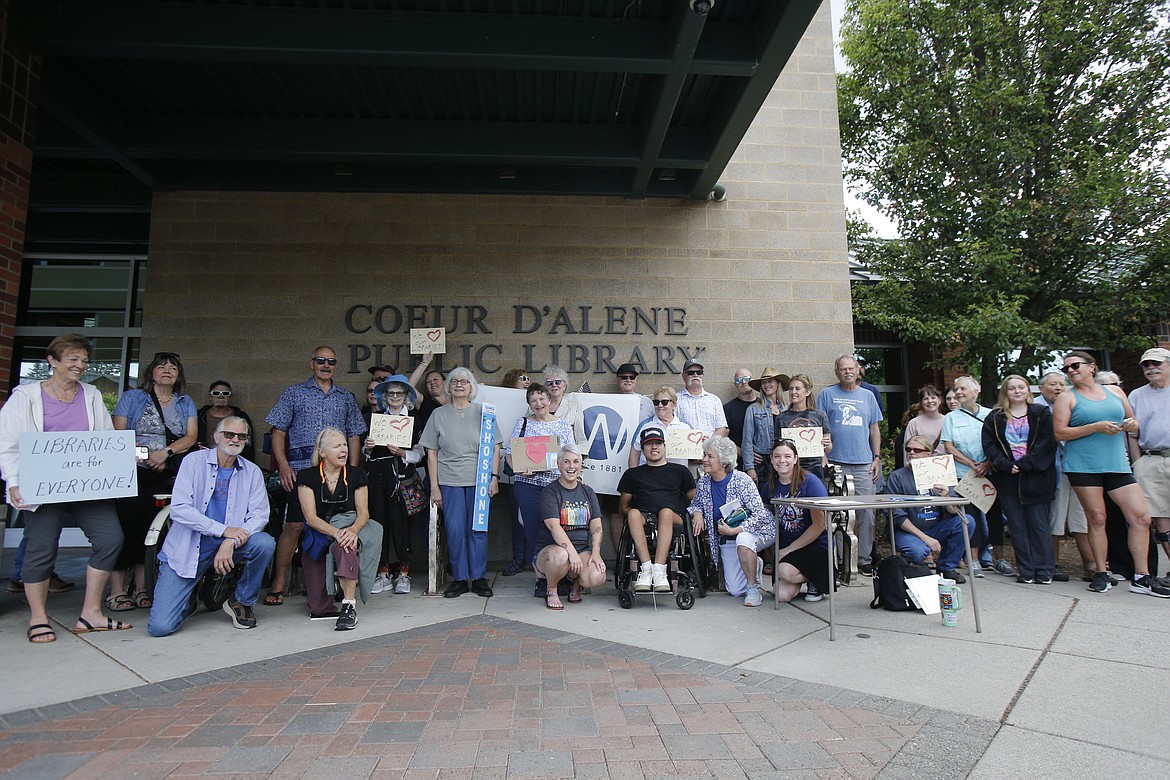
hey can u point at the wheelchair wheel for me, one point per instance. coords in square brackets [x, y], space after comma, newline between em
[685, 598]
[155, 537]
[218, 588]
[625, 599]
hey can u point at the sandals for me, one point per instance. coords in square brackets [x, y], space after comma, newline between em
[552, 600]
[274, 598]
[575, 593]
[119, 602]
[39, 637]
[142, 599]
[769, 569]
[111, 625]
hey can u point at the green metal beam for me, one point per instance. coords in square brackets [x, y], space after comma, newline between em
[783, 27]
[138, 30]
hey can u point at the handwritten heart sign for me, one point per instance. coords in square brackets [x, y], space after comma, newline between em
[937, 470]
[534, 453]
[809, 441]
[684, 443]
[978, 489]
[696, 437]
[988, 490]
[428, 340]
[392, 430]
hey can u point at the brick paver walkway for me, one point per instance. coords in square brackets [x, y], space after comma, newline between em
[488, 698]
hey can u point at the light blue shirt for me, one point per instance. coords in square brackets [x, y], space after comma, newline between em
[850, 413]
[965, 430]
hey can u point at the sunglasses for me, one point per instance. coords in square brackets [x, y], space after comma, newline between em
[661, 402]
[523, 378]
[916, 450]
[626, 377]
[322, 361]
[1151, 363]
[230, 435]
[696, 372]
[743, 380]
[220, 393]
[1074, 366]
[553, 382]
[396, 393]
[166, 357]
[786, 442]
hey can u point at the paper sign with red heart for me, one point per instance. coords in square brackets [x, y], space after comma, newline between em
[435, 335]
[988, 490]
[428, 340]
[696, 437]
[809, 440]
[391, 430]
[401, 423]
[808, 434]
[536, 451]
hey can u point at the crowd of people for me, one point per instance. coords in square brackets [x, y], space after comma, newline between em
[350, 504]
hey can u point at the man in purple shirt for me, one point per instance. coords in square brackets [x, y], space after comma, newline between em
[219, 507]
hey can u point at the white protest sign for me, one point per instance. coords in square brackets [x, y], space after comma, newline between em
[392, 430]
[979, 489]
[428, 340]
[935, 470]
[684, 443]
[810, 442]
[77, 466]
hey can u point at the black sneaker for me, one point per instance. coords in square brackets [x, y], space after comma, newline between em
[866, 569]
[1145, 584]
[953, 574]
[1025, 580]
[242, 617]
[541, 587]
[347, 620]
[1045, 580]
[1059, 576]
[1101, 582]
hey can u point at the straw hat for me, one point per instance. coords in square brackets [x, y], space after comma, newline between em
[770, 373]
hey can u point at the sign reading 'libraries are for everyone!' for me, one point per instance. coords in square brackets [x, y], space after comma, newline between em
[77, 466]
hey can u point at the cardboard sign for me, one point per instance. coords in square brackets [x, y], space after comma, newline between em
[683, 443]
[77, 466]
[535, 453]
[392, 430]
[935, 470]
[810, 442]
[424, 340]
[979, 489]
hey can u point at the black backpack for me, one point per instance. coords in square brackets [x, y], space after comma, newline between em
[889, 583]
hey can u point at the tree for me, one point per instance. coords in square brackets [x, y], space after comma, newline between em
[1021, 148]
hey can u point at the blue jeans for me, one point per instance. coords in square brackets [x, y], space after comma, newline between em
[466, 549]
[528, 500]
[948, 532]
[172, 594]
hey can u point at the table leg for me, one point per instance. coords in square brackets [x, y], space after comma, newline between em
[971, 574]
[832, 587]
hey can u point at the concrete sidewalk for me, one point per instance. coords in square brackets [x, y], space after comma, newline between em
[1061, 683]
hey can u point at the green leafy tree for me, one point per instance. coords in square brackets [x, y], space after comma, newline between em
[1021, 148]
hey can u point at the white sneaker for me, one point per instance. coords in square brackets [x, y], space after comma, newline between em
[645, 575]
[753, 598]
[402, 585]
[381, 584]
[759, 572]
[661, 581]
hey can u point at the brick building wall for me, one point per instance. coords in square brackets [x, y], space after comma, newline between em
[244, 285]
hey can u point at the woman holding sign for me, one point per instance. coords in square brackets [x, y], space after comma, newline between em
[456, 438]
[390, 468]
[728, 506]
[58, 404]
[534, 470]
[802, 412]
[1019, 441]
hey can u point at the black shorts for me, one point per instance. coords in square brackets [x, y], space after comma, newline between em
[1111, 481]
[609, 504]
[813, 562]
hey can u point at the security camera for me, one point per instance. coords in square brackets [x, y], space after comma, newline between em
[702, 7]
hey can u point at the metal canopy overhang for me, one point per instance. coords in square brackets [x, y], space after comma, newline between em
[637, 98]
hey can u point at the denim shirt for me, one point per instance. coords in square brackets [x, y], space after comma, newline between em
[759, 430]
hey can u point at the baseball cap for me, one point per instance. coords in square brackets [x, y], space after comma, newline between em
[692, 363]
[1157, 353]
[651, 434]
[627, 368]
[387, 369]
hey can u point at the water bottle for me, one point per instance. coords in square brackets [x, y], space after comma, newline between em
[950, 600]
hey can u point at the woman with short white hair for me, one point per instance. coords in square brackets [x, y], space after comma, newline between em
[452, 441]
[569, 539]
[737, 537]
[564, 405]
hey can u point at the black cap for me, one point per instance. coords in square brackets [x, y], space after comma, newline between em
[651, 434]
[692, 363]
[627, 368]
[388, 369]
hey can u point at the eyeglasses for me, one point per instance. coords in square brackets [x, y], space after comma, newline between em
[626, 377]
[661, 402]
[1074, 366]
[220, 393]
[1151, 363]
[695, 372]
[743, 380]
[460, 381]
[553, 382]
[916, 450]
[323, 361]
[229, 435]
[1110, 384]
[399, 393]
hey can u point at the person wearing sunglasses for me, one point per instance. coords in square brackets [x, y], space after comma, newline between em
[300, 414]
[562, 404]
[665, 403]
[164, 421]
[1150, 448]
[760, 424]
[922, 532]
[701, 410]
[1019, 442]
[1065, 513]
[1088, 419]
[219, 508]
[219, 408]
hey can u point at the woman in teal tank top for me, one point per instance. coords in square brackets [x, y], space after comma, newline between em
[1090, 420]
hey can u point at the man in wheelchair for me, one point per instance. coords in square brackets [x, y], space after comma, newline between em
[656, 493]
[219, 507]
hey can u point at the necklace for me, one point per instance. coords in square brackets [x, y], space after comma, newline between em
[59, 395]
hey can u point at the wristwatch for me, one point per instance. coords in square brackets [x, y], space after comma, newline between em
[170, 452]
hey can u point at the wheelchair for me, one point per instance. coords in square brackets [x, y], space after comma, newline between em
[684, 564]
[843, 526]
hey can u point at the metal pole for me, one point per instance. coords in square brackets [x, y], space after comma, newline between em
[971, 570]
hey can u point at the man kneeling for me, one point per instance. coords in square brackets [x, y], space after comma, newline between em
[659, 492]
[218, 508]
[570, 539]
[930, 530]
